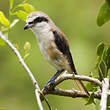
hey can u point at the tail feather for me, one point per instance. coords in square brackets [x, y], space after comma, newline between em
[72, 70]
[82, 87]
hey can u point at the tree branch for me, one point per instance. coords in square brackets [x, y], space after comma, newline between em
[25, 67]
[73, 93]
[79, 77]
[105, 89]
[70, 93]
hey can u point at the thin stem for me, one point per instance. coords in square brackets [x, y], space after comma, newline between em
[79, 77]
[38, 99]
[71, 93]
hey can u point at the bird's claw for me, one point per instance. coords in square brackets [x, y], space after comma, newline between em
[49, 86]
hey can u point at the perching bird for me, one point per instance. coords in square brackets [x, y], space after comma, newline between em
[53, 45]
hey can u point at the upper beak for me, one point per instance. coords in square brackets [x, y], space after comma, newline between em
[26, 26]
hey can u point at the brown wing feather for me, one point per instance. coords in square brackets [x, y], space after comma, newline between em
[63, 46]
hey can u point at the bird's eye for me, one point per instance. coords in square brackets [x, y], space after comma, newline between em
[38, 20]
[30, 23]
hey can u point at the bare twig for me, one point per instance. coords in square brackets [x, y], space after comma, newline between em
[71, 93]
[105, 89]
[25, 67]
[38, 99]
[79, 77]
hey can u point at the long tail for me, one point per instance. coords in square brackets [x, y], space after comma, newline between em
[82, 87]
[73, 71]
[79, 82]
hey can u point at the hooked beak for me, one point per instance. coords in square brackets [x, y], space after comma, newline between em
[27, 26]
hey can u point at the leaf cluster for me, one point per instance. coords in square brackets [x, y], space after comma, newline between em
[16, 13]
[103, 67]
[103, 60]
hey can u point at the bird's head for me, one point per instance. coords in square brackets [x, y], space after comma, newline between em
[37, 20]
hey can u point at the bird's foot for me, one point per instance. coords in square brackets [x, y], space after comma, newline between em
[49, 86]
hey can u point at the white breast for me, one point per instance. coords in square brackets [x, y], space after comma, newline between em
[44, 42]
[44, 37]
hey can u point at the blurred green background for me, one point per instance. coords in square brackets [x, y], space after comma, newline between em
[77, 19]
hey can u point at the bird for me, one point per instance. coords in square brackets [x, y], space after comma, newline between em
[54, 46]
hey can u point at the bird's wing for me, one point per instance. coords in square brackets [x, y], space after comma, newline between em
[63, 47]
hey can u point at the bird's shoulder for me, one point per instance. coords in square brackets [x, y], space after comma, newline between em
[60, 40]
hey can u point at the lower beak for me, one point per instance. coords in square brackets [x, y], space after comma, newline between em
[26, 26]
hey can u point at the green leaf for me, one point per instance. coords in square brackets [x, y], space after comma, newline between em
[21, 14]
[2, 43]
[98, 61]
[91, 99]
[108, 2]
[103, 60]
[105, 55]
[3, 28]
[108, 58]
[27, 7]
[11, 4]
[100, 49]
[104, 14]
[91, 87]
[4, 20]
[103, 69]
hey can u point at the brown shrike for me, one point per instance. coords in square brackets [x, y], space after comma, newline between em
[53, 45]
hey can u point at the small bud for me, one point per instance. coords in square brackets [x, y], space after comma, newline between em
[27, 46]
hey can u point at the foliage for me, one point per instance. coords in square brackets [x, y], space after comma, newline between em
[7, 23]
[91, 99]
[104, 13]
[14, 12]
[21, 14]
[4, 20]
[102, 65]
[103, 59]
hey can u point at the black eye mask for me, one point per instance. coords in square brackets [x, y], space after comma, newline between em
[38, 20]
